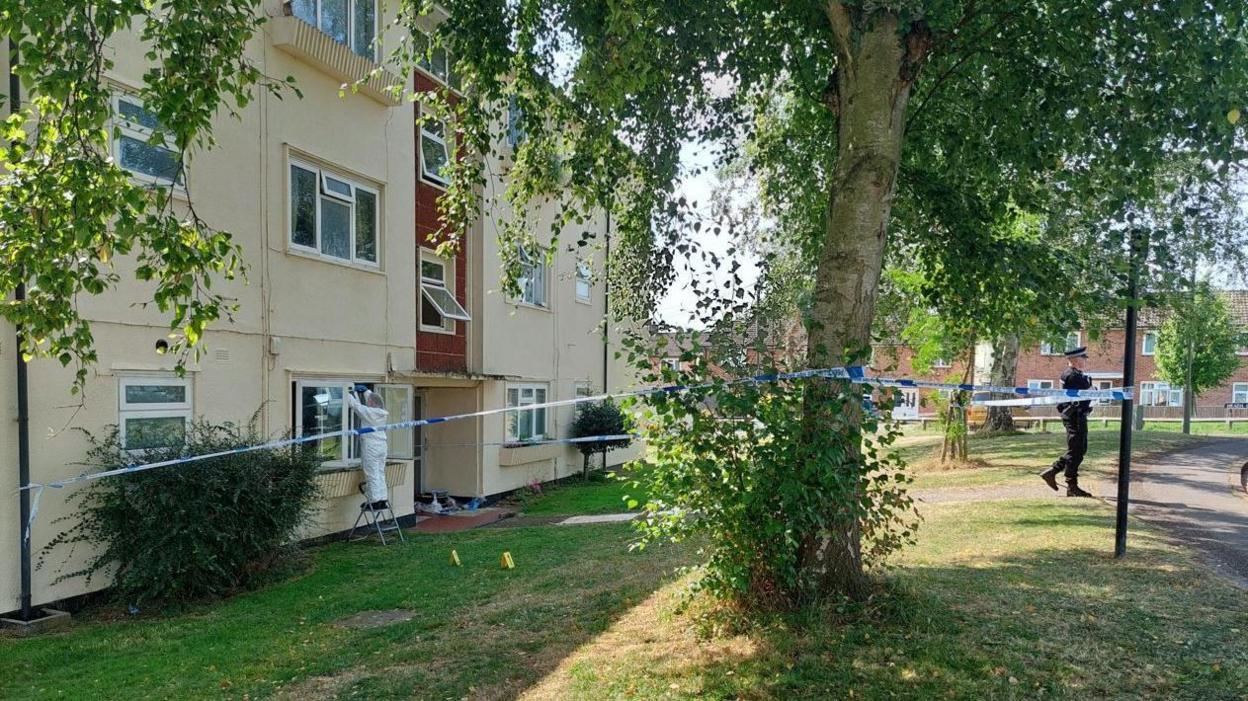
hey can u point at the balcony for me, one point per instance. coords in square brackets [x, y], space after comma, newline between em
[312, 46]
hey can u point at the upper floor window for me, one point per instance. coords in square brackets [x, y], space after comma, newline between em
[1149, 344]
[438, 63]
[434, 154]
[515, 119]
[352, 23]
[139, 143]
[1071, 343]
[439, 310]
[332, 215]
[583, 282]
[153, 411]
[532, 278]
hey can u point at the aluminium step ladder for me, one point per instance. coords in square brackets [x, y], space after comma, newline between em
[381, 521]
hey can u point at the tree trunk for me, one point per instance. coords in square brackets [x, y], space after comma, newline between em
[869, 92]
[1004, 368]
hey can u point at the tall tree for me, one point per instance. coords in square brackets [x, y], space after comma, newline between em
[889, 101]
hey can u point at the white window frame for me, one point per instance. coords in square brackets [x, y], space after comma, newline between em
[160, 410]
[583, 278]
[1046, 347]
[323, 177]
[1150, 392]
[530, 286]
[941, 363]
[582, 389]
[347, 452]
[124, 127]
[1103, 385]
[433, 177]
[449, 316]
[407, 413]
[1239, 393]
[517, 409]
[1039, 384]
[1144, 349]
[450, 79]
[376, 44]
[672, 363]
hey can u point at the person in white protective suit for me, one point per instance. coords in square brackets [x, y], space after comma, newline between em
[373, 447]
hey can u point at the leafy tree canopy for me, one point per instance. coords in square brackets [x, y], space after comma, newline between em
[1200, 330]
[67, 209]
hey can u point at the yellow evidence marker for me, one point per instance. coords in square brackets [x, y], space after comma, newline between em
[455, 559]
[507, 562]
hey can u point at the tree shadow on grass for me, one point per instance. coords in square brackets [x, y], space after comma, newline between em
[1055, 623]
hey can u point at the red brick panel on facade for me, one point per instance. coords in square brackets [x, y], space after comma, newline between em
[438, 352]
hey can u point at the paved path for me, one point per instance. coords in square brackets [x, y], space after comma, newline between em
[1197, 496]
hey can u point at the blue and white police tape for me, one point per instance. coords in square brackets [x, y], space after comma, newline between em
[854, 374]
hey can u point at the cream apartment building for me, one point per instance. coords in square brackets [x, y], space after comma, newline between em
[332, 199]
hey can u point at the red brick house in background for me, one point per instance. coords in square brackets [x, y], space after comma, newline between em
[1042, 365]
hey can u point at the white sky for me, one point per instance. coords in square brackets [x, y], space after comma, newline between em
[678, 307]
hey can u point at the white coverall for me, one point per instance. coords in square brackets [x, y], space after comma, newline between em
[372, 447]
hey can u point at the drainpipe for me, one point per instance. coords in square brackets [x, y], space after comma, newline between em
[606, 308]
[23, 408]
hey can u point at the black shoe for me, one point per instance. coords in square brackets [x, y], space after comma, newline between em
[380, 505]
[1073, 490]
[1050, 478]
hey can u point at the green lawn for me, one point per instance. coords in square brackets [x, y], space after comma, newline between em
[601, 494]
[998, 600]
[478, 631]
[1017, 458]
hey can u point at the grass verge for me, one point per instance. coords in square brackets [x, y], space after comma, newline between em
[476, 631]
[1004, 600]
[602, 493]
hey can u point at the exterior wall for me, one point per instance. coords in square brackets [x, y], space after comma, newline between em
[439, 352]
[300, 315]
[558, 345]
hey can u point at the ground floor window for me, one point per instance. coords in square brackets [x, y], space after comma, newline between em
[1039, 384]
[583, 389]
[1160, 394]
[1239, 393]
[526, 424]
[319, 406]
[153, 411]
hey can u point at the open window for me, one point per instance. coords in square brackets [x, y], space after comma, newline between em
[439, 310]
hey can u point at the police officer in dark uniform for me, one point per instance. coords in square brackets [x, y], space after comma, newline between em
[1075, 419]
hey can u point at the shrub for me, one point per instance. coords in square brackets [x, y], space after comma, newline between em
[599, 419]
[204, 529]
[735, 465]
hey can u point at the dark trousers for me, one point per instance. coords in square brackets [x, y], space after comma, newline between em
[1076, 423]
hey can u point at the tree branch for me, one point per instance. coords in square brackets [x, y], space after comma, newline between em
[842, 28]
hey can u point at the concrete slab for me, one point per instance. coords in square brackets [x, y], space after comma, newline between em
[51, 620]
[599, 518]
